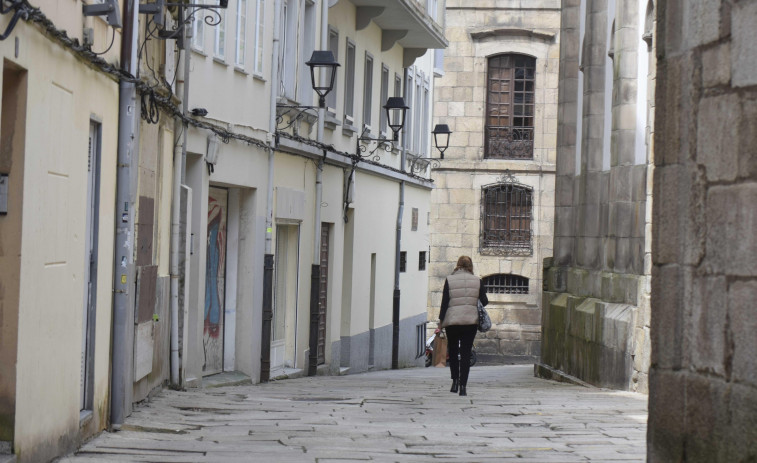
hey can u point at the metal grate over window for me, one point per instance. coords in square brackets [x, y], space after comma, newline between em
[506, 217]
[505, 284]
[403, 261]
[510, 101]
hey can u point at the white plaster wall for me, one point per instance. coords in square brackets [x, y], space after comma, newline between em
[414, 282]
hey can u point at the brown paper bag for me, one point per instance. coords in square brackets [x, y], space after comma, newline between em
[440, 352]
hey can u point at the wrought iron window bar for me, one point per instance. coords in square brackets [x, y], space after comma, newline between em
[506, 284]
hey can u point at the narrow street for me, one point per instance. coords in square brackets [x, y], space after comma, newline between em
[386, 416]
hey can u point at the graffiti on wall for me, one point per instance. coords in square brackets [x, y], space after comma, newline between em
[215, 281]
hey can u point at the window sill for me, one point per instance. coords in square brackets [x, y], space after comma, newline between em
[221, 61]
[259, 77]
[199, 51]
[331, 122]
[241, 71]
[348, 130]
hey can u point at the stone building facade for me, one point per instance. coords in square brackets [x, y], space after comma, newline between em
[597, 285]
[494, 189]
[703, 377]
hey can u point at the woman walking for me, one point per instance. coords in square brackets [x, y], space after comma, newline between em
[459, 317]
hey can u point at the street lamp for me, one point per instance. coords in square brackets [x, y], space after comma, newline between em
[441, 138]
[395, 113]
[322, 59]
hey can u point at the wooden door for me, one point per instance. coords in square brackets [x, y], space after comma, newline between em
[322, 293]
[215, 281]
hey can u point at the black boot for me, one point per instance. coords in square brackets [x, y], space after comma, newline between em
[462, 390]
[455, 384]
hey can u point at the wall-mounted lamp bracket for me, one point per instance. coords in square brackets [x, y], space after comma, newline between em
[109, 9]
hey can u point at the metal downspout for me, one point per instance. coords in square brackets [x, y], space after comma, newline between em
[265, 348]
[179, 169]
[315, 275]
[398, 245]
[123, 274]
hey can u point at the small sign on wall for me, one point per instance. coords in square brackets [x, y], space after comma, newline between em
[3, 194]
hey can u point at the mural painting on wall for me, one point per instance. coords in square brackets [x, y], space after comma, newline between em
[215, 280]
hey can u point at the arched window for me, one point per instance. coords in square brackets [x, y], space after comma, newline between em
[506, 215]
[509, 131]
[502, 283]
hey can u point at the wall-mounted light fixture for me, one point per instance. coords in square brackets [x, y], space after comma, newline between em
[441, 138]
[322, 60]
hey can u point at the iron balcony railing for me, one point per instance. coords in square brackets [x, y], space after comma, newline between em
[506, 142]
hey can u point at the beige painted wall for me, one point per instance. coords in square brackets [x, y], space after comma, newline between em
[63, 96]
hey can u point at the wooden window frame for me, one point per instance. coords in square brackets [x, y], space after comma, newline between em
[510, 107]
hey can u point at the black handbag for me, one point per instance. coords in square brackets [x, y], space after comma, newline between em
[484, 322]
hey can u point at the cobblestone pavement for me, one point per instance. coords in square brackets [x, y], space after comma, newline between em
[386, 416]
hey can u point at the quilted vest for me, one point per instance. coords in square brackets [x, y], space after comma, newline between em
[464, 288]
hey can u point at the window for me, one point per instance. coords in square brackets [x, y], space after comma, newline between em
[368, 91]
[198, 29]
[506, 213]
[259, 29]
[219, 45]
[409, 119]
[240, 38]
[424, 119]
[403, 261]
[303, 52]
[414, 223]
[397, 85]
[420, 340]
[418, 131]
[505, 284]
[334, 48]
[383, 122]
[349, 83]
[422, 260]
[509, 120]
[288, 68]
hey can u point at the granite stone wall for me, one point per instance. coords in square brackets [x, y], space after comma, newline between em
[477, 30]
[703, 377]
[596, 311]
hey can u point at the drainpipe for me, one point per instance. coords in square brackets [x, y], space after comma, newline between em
[123, 274]
[265, 349]
[398, 246]
[179, 169]
[315, 273]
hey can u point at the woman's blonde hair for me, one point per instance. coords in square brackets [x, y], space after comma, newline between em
[465, 263]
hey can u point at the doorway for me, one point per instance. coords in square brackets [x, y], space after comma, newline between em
[283, 336]
[323, 289]
[90, 268]
[215, 281]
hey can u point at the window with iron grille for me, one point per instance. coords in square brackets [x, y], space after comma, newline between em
[403, 261]
[422, 260]
[505, 284]
[509, 121]
[506, 216]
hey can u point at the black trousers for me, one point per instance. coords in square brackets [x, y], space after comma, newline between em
[460, 341]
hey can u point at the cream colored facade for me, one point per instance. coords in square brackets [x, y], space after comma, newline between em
[479, 31]
[54, 108]
[247, 193]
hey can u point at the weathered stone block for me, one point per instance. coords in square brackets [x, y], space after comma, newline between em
[743, 321]
[667, 316]
[718, 135]
[744, 48]
[740, 433]
[732, 220]
[706, 336]
[666, 415]
[701, 22]
[716, 65]
[706, 418]
[748, 140]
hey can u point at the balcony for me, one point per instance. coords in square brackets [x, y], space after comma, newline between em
[405, 22]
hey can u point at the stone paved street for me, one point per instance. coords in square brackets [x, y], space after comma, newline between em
[387, 416]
